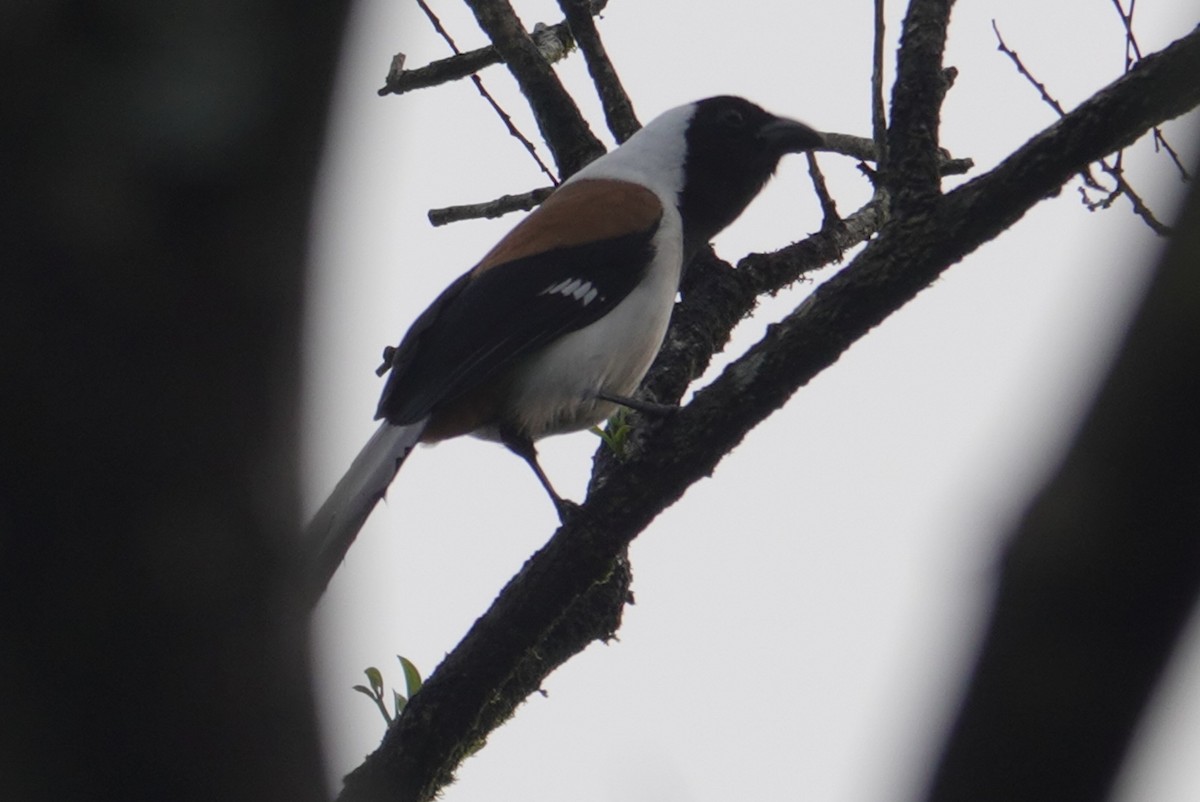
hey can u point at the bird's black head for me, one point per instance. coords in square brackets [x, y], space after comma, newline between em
[733, 147]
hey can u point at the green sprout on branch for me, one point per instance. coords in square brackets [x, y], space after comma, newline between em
[375, 689]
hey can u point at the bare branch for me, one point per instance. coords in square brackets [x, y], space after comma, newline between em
[1132, 51]
[1003, 47]
[1121, 186]
[490, 209]
[829, 212]
[858, 147]
[1085, 174]
[1160, 141]
[563, 128]
[554, 42]
[501, 113]
[911, 174]
[878, 112]
[618, 109]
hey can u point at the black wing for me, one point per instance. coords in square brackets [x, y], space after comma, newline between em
[480, 324]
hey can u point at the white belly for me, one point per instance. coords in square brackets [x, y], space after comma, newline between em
[555, 390]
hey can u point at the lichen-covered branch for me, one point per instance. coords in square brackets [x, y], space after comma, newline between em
[911, 175]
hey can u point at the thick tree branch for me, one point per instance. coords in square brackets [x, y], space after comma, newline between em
[466, 693]
[716, 298]
[911, 173]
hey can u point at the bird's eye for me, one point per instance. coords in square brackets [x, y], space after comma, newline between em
[733, 118]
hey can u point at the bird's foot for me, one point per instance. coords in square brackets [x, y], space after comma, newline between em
[567, 510]
[640, 405]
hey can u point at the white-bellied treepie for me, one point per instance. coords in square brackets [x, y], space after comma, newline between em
[557, 325]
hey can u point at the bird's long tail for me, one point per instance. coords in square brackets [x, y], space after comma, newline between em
[331, 531]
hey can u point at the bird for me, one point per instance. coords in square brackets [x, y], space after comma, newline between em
[556, 326]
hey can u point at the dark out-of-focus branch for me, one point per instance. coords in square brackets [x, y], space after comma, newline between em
[1100, 576]
[154, 642]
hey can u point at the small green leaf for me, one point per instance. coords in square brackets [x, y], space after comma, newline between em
[398, 702]
[363, 689]
[412, 677]
[616, 434]
[376, 680]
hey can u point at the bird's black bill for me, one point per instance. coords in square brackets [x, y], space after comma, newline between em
[790, 136]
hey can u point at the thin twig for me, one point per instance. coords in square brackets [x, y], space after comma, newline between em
[859, 147]
[489, 209]
[1114, 171]
[878, 109]
[508, 123]
[562, 125]
[1139, 206]
[1003, 47]
[1133, 54]
[1132, 51]
[1160, 141]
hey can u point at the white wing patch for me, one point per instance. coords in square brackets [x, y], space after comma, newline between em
[582, 291]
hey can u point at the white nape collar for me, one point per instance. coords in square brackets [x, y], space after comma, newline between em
[653, 157]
